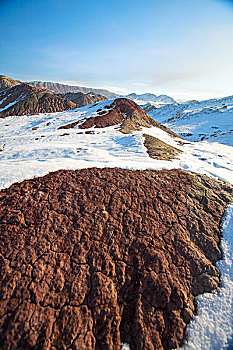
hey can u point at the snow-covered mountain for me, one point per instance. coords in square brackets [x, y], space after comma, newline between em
[210, 120]
[148, 97]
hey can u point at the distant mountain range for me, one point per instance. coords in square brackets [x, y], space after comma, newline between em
[198, 120]
[148, 97]
[64, 89]
[25, 99]
[20, 98]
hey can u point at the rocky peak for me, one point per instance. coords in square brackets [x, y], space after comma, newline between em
[6, 82]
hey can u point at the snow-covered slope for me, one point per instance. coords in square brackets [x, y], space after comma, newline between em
[210, 120]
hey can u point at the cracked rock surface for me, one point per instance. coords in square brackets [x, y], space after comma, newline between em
[96, 257]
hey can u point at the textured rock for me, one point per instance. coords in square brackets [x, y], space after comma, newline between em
[158, 149]
[6, 83]
[84, 99]
[30, 100]
[95, 257]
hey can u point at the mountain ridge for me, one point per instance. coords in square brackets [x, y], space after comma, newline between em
[149, 97]
[25, 99]
[82, 99]
[64, 88]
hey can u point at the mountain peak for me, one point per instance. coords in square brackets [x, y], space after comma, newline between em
[6, 82]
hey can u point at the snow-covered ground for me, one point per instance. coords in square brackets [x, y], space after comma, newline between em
[210, 120]
[33, 146]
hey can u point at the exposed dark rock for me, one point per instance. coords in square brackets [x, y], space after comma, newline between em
[95, 257]
[158, 149]
[69, 126]
[123, 112]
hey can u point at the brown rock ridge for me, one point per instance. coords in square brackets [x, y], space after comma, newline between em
[123, 112]
[95, 257]
[84, 99]
[127, 113]
[25, 99]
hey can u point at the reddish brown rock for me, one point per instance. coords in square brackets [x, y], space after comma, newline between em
[96, 257]
[128, 114]
[25, 99]
[123, 112]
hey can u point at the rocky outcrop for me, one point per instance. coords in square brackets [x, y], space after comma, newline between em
[125, 112]
[84, 99]
[96, 257]
[6, 82]
[158, 149]
[24, 99]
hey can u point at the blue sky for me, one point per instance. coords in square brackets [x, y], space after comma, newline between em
[183, 48]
